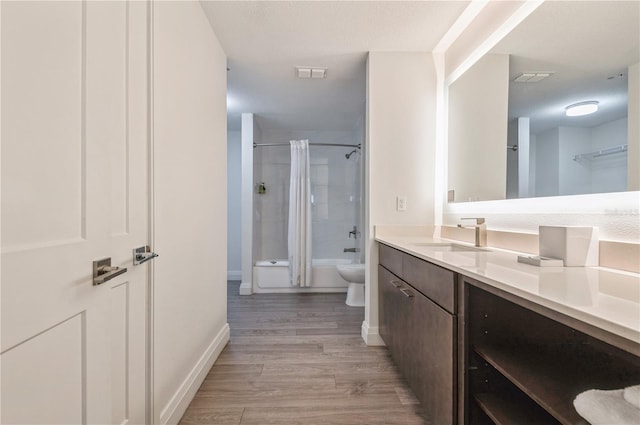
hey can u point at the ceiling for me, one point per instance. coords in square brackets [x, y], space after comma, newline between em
[583, 44]
[265, 41]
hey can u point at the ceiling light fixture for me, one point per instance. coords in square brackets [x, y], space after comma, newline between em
[582, 108]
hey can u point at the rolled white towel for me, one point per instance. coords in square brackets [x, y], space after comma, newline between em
[632, 395]
[606, 408]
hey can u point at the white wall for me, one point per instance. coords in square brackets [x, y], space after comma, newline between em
[633, 108]
[234, 206]
[247, 216]
[401, 92]
[602, 174]
[271, 165]
[190, 212]
[512, 160]
[609, 173]
[359, 205]
[573, 177]
[559, 174]
[547, 148]
[478, 131]
[606, 173]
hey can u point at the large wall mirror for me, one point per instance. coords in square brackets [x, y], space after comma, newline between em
[510, 135]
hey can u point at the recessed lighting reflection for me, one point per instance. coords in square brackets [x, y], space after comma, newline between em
[582, 108]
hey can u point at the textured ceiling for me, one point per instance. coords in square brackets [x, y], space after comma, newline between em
[265, 40]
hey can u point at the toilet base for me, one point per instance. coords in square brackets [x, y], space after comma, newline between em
[355, 295]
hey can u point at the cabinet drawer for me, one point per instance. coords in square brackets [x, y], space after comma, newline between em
[433, 281]
[391, 259]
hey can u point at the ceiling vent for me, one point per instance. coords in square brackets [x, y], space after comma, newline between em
[531, 77]
[311, 72]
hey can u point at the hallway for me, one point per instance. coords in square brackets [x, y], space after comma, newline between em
[299, 359]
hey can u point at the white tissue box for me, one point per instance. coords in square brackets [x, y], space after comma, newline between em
[577, 246]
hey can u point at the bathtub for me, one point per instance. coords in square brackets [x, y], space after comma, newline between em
[273, 276]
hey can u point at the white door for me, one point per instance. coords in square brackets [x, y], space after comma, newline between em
[74, 190]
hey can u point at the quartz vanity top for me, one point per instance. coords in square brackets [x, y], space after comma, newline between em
[605, 298]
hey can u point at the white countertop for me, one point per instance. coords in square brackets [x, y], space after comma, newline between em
[605, 298]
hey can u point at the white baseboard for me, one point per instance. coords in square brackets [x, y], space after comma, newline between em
[234, 274]
[297, 290]
[246, 288]
[371, 335]
[178, 404]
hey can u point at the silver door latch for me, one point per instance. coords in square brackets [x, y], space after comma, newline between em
[102, 271]
[142, 255]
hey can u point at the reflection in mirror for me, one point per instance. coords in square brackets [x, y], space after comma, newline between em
[562, 54]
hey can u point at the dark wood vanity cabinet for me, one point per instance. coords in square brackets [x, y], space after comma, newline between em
[525, 364]
[418, 325]
[474, 354]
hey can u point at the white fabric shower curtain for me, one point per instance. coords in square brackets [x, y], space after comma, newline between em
[299, 241]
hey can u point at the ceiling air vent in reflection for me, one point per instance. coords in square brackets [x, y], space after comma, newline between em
[311, 72]
[531, 77]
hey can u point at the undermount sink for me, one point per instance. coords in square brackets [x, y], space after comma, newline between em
[448, 247]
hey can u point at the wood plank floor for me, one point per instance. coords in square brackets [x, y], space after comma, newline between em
[299, 359]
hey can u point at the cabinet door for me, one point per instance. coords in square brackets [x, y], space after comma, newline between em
[392, 316]
[384, 313]
[429, 358]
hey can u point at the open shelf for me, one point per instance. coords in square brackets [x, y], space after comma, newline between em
[554, 377]
[513, 408]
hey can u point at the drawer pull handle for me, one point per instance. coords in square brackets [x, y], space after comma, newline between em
[406, 292]
[396, 284]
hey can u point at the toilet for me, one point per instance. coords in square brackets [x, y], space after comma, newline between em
[354, 274]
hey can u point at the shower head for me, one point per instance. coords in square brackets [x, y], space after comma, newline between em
[350, 153]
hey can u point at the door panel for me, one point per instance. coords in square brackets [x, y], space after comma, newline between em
[42, 74]
[47, 370]
[107, 84]
[119, 352]
[74, 190]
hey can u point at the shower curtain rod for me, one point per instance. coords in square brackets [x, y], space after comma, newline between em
[255, 145]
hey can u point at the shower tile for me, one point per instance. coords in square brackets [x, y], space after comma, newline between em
[322, 175]
[335, 184]
[337, 177]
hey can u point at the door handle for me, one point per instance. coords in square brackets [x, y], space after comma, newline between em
[142, 255]
[103, 271]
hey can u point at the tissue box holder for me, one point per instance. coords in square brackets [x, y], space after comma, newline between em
[576, 245]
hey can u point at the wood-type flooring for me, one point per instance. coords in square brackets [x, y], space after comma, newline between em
[299, 359]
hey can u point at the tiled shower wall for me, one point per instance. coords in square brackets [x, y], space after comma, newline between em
[336, 195]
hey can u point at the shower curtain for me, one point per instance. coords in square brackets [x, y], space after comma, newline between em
[299, 241]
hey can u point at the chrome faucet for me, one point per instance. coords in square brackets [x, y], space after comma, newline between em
[480, 228]
[354, 232]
